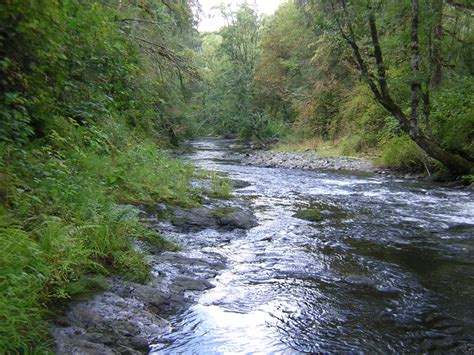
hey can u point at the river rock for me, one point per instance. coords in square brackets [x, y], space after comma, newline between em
[109, 324]
[239, 184]
[306, 160]
[128, 316]
[224, 217]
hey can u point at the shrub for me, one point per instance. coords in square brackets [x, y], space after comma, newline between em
[401, 153]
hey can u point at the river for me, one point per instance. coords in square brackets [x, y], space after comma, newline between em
[389, 268]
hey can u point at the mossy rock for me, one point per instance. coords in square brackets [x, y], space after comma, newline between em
[221, 212]
[317, 212]
[310, 214]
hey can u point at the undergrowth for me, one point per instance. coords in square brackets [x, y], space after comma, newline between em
[402, 154]
[66, 220]
[220, 187]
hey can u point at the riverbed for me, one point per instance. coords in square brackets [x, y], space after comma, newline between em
[388, 268]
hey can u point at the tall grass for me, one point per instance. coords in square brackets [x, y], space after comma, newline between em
[65, 221]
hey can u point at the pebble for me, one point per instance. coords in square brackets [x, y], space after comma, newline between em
[306, 160]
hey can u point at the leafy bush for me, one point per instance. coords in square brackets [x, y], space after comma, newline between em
[452, 116]
[401, 153]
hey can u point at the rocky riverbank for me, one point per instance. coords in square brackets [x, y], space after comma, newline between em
[129, 317]
[313, 161]
[306, 160]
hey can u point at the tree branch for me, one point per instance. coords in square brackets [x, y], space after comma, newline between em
[178, 61]
[139, 20]
[465, 7]
[382, 79]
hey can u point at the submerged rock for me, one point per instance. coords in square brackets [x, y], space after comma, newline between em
[239, 184]
[311, 215]
[318, 211]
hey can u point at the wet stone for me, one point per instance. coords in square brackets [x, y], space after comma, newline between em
[226, 217]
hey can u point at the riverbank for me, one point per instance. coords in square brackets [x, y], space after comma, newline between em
[311, 160]
[128, 317]
[363, 257]
[306, 160]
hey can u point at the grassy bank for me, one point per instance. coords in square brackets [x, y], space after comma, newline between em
[84, 110]
[64, 223]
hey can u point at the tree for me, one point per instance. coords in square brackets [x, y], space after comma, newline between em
[374, 74]
[229, 58]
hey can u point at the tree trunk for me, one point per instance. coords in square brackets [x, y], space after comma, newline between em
[409, 125]
[415, 69]
[437, 6]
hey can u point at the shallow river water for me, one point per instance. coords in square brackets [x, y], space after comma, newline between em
[390, 267]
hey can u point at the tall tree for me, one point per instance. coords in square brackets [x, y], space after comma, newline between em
[234, 57]
[374, 74]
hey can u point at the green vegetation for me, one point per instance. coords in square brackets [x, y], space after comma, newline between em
[403, 154]
[94, 92]
[221, 187]
[89, 99]
[310, 214]
[347, 78]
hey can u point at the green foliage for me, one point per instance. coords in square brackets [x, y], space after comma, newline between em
[23, 275]
[307, 74]
[220, 187]
[229, 59]
[401, 153]
[83, 103]
[72, 226]
[453, 115]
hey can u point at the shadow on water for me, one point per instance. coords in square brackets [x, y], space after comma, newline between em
[382, 266]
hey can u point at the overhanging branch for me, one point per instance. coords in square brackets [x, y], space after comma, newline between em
[179, 62]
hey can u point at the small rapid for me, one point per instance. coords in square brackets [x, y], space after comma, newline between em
[388, 268]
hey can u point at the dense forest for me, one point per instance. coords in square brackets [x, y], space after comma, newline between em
[93, 94]
[392, 77]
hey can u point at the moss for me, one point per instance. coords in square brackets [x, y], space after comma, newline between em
[310, 214]
[319, 211]
[221, 212]
[467, 179]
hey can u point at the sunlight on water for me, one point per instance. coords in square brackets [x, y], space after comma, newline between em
[389, 267]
